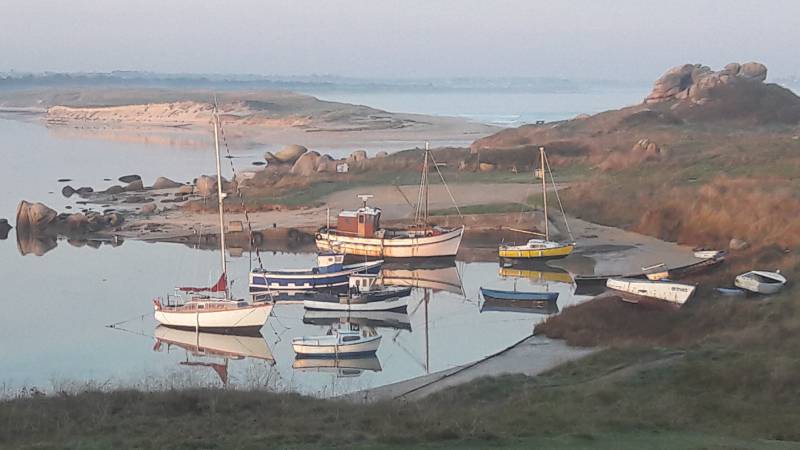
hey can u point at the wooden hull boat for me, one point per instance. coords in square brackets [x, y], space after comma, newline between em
[675, 293]
[431, 243]
[214, 315]
[331, 272]
[339, 343]
[760, 282]
[496, 294]
[656, 272]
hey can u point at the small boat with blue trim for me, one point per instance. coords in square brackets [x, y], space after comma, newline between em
[496, 294]
[366, 293]
[330, 272]
[338, 343]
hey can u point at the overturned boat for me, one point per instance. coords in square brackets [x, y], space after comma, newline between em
[330, 272]
[761, 282]
[636, 289]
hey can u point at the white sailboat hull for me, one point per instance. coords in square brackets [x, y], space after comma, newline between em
[445, 244]
[676, 293]
[322, 348]
[250, 317]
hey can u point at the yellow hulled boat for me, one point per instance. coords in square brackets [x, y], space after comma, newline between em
[540, 248]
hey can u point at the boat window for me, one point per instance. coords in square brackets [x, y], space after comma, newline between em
[350, 338]
[360, 218]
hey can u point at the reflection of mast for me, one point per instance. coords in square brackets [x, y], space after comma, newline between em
[427, 297]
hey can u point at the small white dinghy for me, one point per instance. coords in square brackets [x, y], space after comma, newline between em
[338, 343]
[668, 291]
[760, 282]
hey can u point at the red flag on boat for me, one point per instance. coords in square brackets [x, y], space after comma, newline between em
[220, 286]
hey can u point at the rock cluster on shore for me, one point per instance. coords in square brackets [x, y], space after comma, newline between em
[694, 81]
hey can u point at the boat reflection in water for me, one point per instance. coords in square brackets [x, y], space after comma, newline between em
[372, 319]
[342, 367]
[212, 350]
[437, 277]
[541, 276]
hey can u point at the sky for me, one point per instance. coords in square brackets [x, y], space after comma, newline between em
[619, 40]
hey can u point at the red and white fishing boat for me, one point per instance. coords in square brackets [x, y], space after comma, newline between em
[359, 232]
[213, 309]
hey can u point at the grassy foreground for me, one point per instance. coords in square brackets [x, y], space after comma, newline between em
[632, 397]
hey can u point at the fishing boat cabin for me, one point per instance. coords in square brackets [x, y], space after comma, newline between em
[364, 222]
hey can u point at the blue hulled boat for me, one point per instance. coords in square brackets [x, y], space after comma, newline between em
[330, 272]
[495, 294]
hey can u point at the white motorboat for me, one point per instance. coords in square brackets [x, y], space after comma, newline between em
[668, 291]
[338, 343]
[760, 281]
[709, 254]
[212, 308]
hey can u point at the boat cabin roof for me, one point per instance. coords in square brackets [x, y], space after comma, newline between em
[368, 210]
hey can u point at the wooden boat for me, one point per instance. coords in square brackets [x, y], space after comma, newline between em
[730, 291]
[656, 272]
[496, 294]
[359, 232]
[338, 343]
[366, 293]
[540, 248]
[637, 289]
[330, 272]
[199, 308]
[760, 282]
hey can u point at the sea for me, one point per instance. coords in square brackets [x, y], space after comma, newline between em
[79, 314]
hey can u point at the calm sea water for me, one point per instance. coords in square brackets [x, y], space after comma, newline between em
[57, 306]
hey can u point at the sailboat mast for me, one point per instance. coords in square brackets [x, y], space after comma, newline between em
[544, 194]
[425, 176]
[220, 199]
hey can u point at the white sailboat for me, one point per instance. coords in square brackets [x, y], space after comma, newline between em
[540, 249]
[359, 232]
[201, 308]
[760, 281]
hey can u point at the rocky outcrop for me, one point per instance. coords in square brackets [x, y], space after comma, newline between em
[165, 183]
[286, 155]
[149, 208]
[4, 229]
[358, 156]
[185, 189]
[129, 178]
[34, 216]
[647, 150]
[205, 186]
[326, 164]
[134, 186]
[306, 164]
[693, 81]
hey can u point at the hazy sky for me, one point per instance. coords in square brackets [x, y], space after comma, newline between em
[626, 39]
